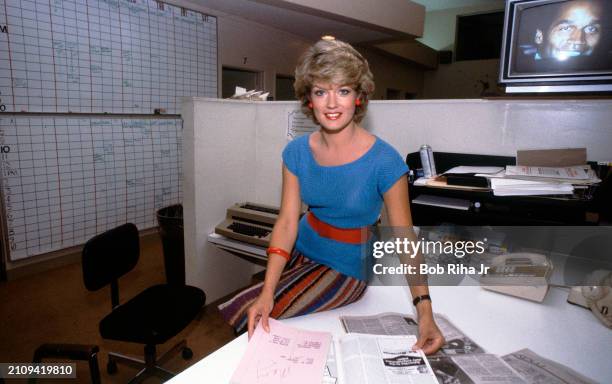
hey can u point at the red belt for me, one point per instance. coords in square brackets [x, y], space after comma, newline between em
[344, 235]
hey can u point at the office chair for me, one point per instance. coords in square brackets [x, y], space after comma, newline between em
[84, 352]
[152, 317]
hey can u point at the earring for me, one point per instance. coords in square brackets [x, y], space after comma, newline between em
[358, 102]
[310, 105]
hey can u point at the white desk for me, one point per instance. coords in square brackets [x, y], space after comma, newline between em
[500, 324]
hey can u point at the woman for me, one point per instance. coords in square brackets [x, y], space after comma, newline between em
[343, 173]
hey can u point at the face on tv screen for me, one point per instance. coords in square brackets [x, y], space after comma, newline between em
[572, 37]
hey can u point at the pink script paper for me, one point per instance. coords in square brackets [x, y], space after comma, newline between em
[285, 355]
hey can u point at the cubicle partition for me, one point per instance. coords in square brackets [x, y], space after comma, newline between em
[232, 153]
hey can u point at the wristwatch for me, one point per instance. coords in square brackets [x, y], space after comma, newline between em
[418, 299]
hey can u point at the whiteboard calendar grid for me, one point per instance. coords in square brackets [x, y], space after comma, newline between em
[67, 179]
[95, 56]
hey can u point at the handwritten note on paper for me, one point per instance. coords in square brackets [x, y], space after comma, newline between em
[285, 355]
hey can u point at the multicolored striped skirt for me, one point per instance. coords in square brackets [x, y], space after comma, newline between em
[304, 287]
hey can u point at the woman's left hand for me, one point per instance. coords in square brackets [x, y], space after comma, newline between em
[430, 338]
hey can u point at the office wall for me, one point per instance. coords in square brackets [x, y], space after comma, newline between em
[391, 73]
[439, 32]
[272, 51]
[265, 49]
[400, 15]
[463, 79]
[495, 127]
[236, 151]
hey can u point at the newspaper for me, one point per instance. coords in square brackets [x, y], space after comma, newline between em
[576, 174]
[392, 323]
[330, 372]
[538, 370]
[382, 360]
[461, 360]
[474, 369]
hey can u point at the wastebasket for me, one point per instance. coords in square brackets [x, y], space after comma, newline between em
[170, 220]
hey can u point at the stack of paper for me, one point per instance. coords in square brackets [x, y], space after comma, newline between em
[466, 169]
[578, 174]
[531, 180]
[242, 94]
[285, 355]
[516, 187]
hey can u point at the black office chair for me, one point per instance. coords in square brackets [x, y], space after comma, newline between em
[151, 317]
[84, 352]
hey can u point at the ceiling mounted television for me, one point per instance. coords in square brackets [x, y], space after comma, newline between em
[557, 46]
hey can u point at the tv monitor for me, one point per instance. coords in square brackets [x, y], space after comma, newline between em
[557, 46]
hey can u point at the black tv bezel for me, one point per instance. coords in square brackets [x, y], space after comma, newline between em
[542, 83]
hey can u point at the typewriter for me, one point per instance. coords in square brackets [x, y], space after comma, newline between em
[249, 222]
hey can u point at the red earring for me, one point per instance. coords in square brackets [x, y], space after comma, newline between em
[310, 105]
[358, 102]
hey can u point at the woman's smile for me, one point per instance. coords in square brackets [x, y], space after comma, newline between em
[333, 116]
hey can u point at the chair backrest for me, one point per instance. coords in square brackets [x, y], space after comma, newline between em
[110, 255]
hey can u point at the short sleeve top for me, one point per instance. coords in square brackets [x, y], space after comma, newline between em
[345, 196]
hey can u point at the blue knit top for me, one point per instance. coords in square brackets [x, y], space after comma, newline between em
[345, 196]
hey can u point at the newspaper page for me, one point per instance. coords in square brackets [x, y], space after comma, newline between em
[457, 343]
[388, 323]
[330, 372]
[474, 369]
[539, 370]
[392, 323]
[369, 359]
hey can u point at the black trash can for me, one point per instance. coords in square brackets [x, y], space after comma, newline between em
[170, 220]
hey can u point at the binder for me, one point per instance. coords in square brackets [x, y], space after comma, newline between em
[466, 179]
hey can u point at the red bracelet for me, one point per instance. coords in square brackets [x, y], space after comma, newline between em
[278, 251]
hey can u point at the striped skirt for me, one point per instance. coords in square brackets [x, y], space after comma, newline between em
[304, 287]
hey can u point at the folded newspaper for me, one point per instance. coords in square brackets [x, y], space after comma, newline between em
[462, 361]
[459, 361]
[392, 323]
[474, 369]
[376, 359]
[381, 359]
[539, 370]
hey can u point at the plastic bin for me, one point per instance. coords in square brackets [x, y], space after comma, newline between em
[170, 220]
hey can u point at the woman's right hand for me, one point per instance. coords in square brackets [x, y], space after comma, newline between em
[259, 311]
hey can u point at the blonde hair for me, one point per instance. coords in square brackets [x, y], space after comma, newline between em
[333, 62]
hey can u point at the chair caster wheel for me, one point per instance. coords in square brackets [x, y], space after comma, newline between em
[111, 367]
[187, 353]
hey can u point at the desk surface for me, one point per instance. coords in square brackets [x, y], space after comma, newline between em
[501, 324]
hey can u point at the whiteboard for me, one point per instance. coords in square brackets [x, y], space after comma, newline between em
[94, 56]
[66, 179]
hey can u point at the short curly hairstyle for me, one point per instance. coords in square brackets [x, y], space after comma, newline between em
[333, 62]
